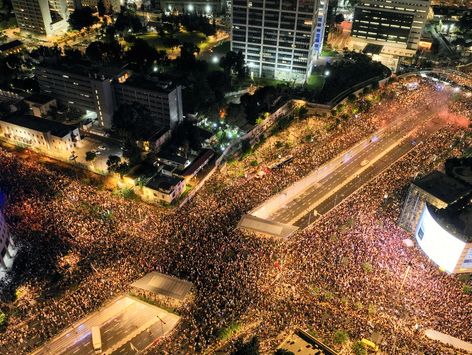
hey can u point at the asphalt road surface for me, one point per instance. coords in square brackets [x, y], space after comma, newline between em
[125, 321]
[331, 183]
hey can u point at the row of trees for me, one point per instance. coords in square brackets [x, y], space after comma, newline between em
[353, 69]
[191, 22]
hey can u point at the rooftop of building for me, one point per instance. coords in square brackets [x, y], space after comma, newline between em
[38, 124]
[163, 183]
[204, 156]
[164, 285]
[166, 155]
[98, 73]
[456, 218]
[143, 171]
[39, 99]
[148, 83]
[372, 48]
[443, 187]
[9, 45]
[154, 135]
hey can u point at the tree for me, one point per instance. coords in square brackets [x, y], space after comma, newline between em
[233, 62]
[339, 18]
[142, 53]
[122, 169]
[104, 52]
[90, 156]
[220, 83]
[249, 348]
[465, 23]
[283, 352]
[3, 319]
[101, 8]
[127, 21]
[133, 121]
[81, 18]
[340, 337]
[187, 54]
[72, 55]
[113, 162]
[358, 348]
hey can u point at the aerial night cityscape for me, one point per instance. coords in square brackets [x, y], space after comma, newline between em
[285, 177]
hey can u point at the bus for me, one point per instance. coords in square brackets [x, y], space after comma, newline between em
[96, 340]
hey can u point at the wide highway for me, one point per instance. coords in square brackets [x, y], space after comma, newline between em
[317, 193]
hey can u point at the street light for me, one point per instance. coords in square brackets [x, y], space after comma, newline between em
[326, 73]
[215, 59]
[190, 8]
[208, 8]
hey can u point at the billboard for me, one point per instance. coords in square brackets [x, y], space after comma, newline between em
[440, 246]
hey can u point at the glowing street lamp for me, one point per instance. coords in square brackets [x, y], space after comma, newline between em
[190, 8]
[326, 73]
[215, 60]
[207, 8]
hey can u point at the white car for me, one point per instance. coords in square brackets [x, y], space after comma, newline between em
[102, 147]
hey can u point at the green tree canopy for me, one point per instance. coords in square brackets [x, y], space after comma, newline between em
[83, 17]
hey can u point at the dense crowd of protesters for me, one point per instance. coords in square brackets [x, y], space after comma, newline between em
[81, 246]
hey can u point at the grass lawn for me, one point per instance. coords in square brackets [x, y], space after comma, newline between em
[197, 38]
[328, 53]
[315, 82]
[155, 41]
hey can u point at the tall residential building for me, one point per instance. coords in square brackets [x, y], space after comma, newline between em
[41, 17]
[7, 248]
[389, 29]
[279, 38]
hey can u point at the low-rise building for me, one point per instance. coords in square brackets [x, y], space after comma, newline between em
[152, 185]
[11, 47]
[153, 141]
[162, 188]
[40, 133]
[203, 158]
[40, 104]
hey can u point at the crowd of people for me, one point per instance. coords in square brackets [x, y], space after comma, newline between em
[80, 246]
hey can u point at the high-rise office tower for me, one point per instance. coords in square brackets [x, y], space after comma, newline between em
[279, 38]
[43, 17]
[389, 29]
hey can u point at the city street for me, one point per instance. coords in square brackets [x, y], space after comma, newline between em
[126, 325]
[327, 186]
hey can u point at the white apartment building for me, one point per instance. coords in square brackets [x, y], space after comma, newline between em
[41, 17]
